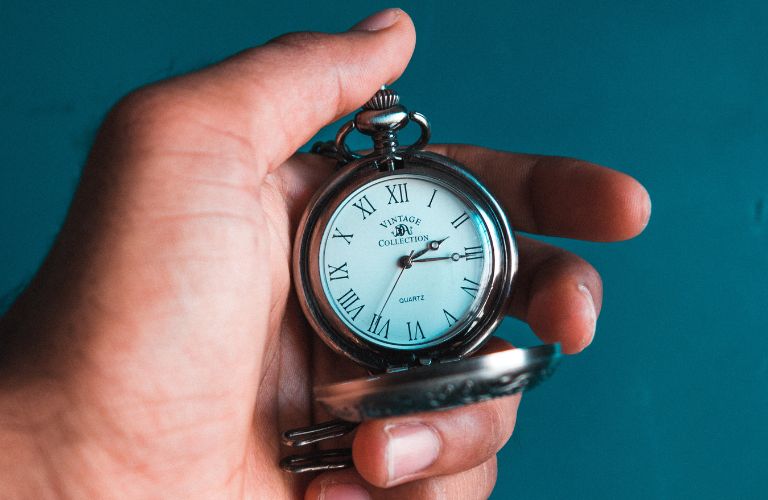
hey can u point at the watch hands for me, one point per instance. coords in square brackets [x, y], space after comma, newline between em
[432, 245]
[406, 261]
[399, 275]
[454, 257]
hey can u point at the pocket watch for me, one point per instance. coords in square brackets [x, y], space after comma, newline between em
[404, 262]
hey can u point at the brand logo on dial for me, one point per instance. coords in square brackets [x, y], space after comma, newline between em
[402, 230]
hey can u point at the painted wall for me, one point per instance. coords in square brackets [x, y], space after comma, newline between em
[671, 401]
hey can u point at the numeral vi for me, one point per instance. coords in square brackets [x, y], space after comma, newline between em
[415, 332]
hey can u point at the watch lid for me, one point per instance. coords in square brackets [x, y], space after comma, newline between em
[440, 386]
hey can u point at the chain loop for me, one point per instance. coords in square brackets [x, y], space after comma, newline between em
[340, 458]
[426, 132]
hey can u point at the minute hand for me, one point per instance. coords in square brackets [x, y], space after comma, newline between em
[454, 257]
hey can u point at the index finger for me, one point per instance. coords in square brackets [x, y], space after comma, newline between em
[558, 196]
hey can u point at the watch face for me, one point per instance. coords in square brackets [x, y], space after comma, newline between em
[405, 261]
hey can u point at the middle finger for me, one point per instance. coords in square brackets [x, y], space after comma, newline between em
[558, 196]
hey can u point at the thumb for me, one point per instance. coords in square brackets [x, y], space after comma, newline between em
[162, 272]
[274, 98]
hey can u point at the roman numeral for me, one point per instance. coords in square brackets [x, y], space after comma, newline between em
[413, 336]
[348, 301]
[374, 326]
[339, 234]
[434, 192]
[338, 273]
[365, 206]
[449, 318]
[473, 253]
[398, 193]
[472, 288]
[461, 219]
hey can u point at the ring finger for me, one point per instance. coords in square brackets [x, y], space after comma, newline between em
[557, 293]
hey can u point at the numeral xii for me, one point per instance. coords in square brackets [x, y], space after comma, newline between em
[398, 193]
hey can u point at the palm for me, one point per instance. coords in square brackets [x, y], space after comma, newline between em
[294, 358]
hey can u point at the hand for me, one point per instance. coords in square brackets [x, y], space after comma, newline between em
[159, 351]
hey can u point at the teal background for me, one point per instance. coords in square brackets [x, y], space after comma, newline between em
[670, 401]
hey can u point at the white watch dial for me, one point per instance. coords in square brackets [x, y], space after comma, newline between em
[403, 260]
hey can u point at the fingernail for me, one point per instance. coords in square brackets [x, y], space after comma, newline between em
[340, 491]
[590, 313]
[378, 21]
[411, 448]
[648, 209]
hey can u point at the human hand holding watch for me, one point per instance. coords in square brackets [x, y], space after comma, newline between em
[159, 351]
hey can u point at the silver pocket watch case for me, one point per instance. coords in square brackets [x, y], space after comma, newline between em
[436, 377]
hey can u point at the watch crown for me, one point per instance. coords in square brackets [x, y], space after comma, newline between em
[383, 99]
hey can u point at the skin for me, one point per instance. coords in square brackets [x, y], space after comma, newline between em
[159, 351]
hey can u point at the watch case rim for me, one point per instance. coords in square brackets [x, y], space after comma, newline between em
[314, 302]
[441, 386]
